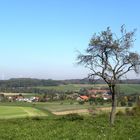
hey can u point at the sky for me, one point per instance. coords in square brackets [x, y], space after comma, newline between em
[40, 38]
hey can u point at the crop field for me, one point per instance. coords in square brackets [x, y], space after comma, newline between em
[123, 88]
[22, 109]
[18, 110]
[129, 88]
[7, 112]
[57, 106]
[69, 87]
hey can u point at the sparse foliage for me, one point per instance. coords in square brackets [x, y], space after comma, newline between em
[110, 57]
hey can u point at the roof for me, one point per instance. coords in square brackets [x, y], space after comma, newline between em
[93, 96]
[84, 97]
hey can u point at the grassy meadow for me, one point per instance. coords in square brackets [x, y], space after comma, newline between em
[57, 128]
[38, 121]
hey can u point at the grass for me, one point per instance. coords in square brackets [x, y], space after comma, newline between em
[57, 106]
[123, 88]
[130, 88]
[90, 128]
[52, 127]
[69, 87]
[22, 109]
[7, 112]
[49, 107]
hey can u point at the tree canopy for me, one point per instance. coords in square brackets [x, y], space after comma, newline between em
[110, 57]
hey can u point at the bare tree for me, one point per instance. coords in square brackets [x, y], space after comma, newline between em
[110, 58]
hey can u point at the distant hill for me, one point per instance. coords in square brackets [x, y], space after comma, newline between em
[28, 82]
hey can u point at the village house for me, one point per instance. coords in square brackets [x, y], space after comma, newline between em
[82, 98]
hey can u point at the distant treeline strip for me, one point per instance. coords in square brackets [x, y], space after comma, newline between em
[28, 82]
[25, 83]
[30, 90]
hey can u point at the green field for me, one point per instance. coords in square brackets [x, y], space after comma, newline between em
[129, 88]
[123, 88]
[90, 128]
[69, 87]
[7, 112]
[34, 121]
[66, 106]
[22, 108]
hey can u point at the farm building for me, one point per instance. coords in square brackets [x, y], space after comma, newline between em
[82, 98]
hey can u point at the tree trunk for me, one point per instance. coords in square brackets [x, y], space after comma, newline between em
[114, 104]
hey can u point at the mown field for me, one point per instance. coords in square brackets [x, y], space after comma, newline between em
[23, 109]
[37, 109]
[7, 112]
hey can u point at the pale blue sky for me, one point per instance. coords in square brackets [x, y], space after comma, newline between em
[39, 38]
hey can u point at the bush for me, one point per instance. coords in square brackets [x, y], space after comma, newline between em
[72, 117]
[129, 112]
[71, 103]
[136, 110]
[123, 103]
[37, 118]
[120, 113]
[61, 103]
[81, 102]
[91, 102]
[130, 104]
[92, 111]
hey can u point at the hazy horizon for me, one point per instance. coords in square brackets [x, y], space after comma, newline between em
[40, 39]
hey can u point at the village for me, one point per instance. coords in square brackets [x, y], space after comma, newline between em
[89, 95]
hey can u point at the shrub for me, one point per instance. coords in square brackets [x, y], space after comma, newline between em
[91, 102]
[136, 110]
[81, 102]
[72, 117]
[71, 103]
[37, 118]
[130, 104]
[92, 111]
[123, 103]
[120, 113]
[129, 112]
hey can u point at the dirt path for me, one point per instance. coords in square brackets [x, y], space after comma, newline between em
[79, 111]
[72, 111]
